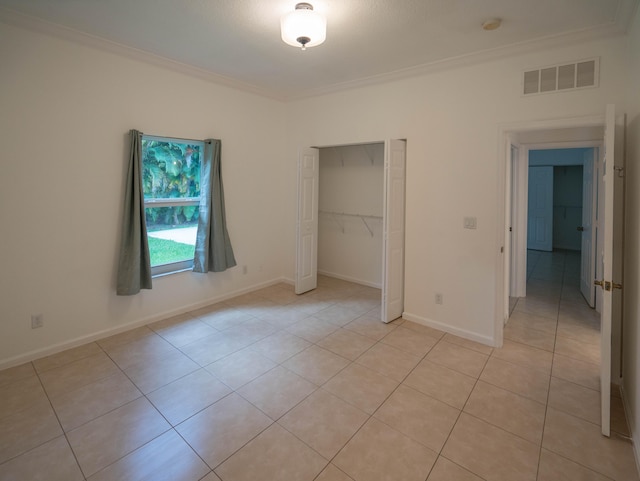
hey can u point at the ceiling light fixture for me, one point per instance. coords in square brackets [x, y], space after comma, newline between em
[303, 27]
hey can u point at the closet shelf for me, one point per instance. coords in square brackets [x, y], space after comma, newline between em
[365, 147]
[363, 218]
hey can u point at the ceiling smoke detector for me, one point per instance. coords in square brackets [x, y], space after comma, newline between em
[491, 24]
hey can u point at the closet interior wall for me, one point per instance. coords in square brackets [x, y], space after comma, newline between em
[350, 200]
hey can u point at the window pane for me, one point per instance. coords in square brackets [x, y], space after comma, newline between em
[171, 232]
[170, 169]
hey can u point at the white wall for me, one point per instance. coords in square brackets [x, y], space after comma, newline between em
[351, 181]
[65, 113]
[452, 122]
[631, 340]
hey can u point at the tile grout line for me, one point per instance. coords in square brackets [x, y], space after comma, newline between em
[546, 406]
[64, 432]
[371, 416]
[460, 415]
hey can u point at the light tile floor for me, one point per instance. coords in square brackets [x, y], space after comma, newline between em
[274, 386]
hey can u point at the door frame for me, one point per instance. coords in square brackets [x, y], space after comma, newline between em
[387, 143]
[589, 201]
[519, 255]
[506, 134]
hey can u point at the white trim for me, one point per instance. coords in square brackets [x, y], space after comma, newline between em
[470, 335]
[552, 124]
[628, 413]
[520, 227]
[571, 144]
[66, 33]
[79, 341]
[554, 41]
[355, 280]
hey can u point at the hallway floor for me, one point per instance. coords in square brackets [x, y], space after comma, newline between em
[273, 386]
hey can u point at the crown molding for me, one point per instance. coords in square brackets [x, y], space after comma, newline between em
[618, 27]
[627, 10]
[610, 30]
[38, 25]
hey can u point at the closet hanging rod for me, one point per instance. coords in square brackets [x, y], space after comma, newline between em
[345, 214]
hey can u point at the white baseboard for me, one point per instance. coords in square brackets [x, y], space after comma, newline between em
[355, 280]
[630, 424]
[79, 341]
[470, 335]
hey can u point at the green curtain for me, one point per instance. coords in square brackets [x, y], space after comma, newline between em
[213, 247]
[134, 265]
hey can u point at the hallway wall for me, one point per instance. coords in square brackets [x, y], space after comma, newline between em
[631, 319]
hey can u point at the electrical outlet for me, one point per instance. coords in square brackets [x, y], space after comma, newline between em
[438, 298]
[470, 223]
[245, 269]
[37, 320]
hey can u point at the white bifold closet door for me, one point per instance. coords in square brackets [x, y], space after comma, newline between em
[306, 272]
[307, 222]
[393, 231]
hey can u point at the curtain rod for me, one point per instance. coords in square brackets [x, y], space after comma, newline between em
[175, 138]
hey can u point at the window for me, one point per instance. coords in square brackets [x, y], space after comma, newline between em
[171, 170]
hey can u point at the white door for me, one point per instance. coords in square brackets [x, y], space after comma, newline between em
[606, 283]
[513, 221]
[393, 231]
[307, 222]
[540, 216]
[508, 245]
[587, 253]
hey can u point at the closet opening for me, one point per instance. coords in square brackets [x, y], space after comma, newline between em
[350, 207]
[351, 219]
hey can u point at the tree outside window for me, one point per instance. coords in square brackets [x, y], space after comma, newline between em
[171, 185]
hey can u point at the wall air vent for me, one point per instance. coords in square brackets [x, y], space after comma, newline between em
[557, 78]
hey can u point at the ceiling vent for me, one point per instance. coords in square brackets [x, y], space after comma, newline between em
[556, 78]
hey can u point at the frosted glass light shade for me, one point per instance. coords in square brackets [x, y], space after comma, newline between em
[303, 27]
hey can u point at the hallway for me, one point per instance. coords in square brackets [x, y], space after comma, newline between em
[555, 317]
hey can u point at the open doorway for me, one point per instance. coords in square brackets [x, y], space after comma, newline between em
[606, 130]
[353, 205]
[540, 157]
[350, 203]
[562, 210]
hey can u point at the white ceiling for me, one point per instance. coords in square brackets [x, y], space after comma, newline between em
[238, 41]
